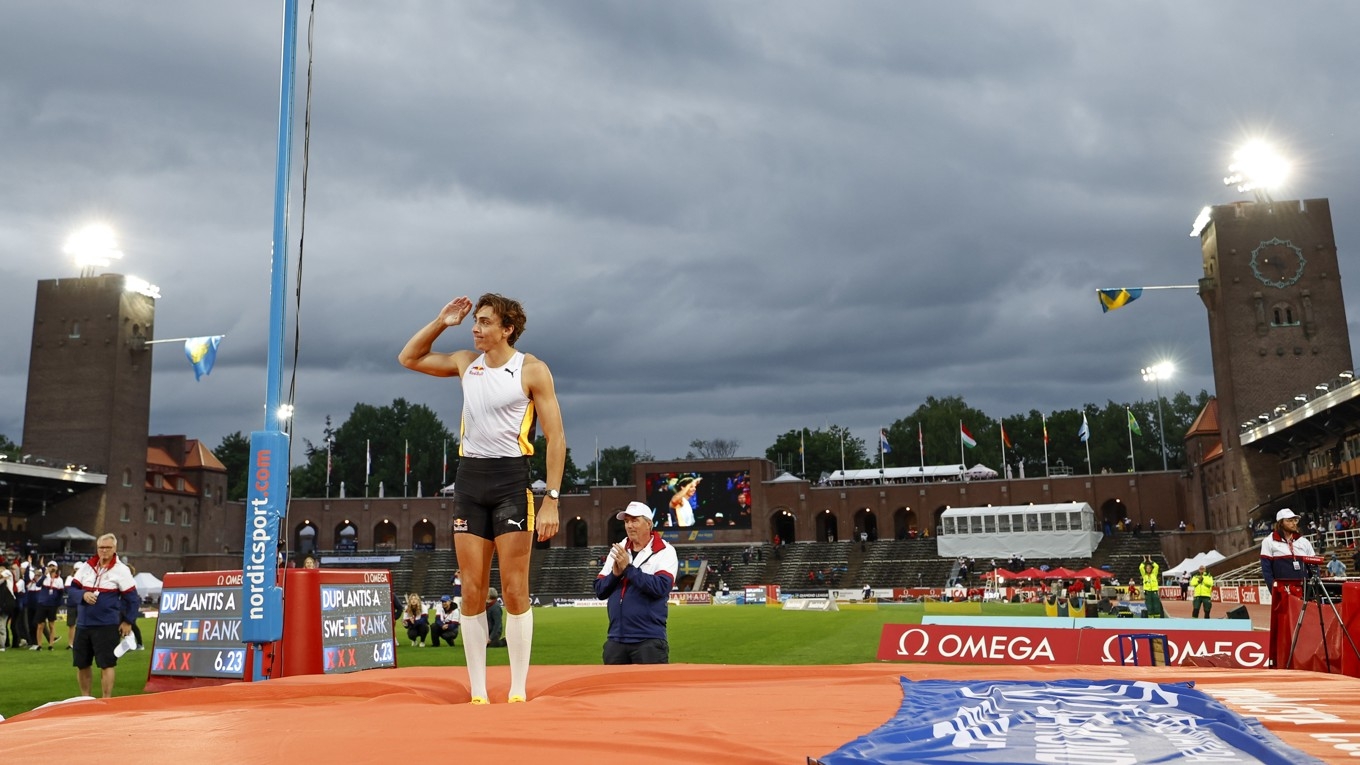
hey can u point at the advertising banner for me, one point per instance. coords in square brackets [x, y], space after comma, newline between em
[950, 644]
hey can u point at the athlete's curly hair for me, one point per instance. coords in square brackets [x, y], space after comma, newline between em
[510, 311]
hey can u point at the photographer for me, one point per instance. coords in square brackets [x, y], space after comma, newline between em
[1283, 552]
[1150, 572]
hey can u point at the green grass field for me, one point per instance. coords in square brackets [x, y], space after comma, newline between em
[698, 634]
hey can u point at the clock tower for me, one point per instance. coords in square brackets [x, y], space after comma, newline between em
[1277, 327]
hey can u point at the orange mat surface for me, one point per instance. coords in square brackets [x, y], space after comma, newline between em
[579, 714]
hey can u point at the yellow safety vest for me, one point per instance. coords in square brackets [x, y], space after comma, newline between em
[1150, 580]
[1204, 585]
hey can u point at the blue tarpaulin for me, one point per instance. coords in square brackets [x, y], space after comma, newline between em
[1105, 722]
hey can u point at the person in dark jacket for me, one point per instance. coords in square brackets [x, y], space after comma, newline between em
[495, 623]
[8, 604]
[636, 580]
[108, 607]
[49, 593]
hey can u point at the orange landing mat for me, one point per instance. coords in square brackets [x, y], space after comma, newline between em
[580, 714]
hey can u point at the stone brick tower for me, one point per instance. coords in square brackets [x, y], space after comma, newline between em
[1277, 327]
[89, 393]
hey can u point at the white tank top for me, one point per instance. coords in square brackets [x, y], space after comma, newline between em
[498, 419]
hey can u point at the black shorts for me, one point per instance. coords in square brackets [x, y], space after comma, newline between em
[492, 497]
[71, 613]
[44, 614]
[97, 644]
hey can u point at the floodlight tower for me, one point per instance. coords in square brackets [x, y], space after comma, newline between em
[1155, 374]
[89, 382]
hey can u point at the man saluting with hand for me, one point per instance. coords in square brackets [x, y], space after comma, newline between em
[504, 392]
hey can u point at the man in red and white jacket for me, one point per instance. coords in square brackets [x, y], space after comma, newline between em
[636, 579]
[108, 608]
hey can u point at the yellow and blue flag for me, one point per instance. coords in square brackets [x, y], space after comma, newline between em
[1118, 298]
[202, 352]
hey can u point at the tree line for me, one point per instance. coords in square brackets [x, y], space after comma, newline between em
[373, 444]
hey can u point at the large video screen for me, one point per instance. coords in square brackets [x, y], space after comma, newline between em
[709, 499]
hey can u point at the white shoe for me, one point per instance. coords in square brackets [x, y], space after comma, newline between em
[413, 644]
[34, 648]
[422, 644]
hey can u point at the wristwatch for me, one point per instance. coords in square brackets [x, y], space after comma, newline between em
[553, 494]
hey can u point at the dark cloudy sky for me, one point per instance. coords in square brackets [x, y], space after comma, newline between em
[725, 219]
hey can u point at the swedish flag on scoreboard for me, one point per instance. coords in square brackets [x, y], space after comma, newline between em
[191, 629]
[202, 352]
[1118, 298]
[351, 626]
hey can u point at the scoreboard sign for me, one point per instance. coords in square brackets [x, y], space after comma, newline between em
[198, 632]
[334, 620]
[356, 624]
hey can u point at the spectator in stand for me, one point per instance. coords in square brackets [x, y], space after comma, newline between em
[1203, 582]
[49, 595]
[1335, 567]
[1180, 526]
[108, 607]
[1152, 526]
[445, 624]
[416, 621]
[636, 580]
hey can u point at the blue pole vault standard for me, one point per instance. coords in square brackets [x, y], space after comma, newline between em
[267, 475]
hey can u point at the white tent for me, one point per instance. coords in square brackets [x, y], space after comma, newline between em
[980, 472]
[1191, 565]
[148, 586]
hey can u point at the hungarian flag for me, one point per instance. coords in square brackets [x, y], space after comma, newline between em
[967, 437]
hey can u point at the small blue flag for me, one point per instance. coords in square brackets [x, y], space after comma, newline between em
[1085, 432]
[883, 441]
[202, 352]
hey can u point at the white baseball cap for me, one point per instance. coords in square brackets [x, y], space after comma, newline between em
[1284, 514]
[635, 509]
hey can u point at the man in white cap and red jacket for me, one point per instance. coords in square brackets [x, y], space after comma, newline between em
[637, 578]
[1282, 554]
[1285, 571]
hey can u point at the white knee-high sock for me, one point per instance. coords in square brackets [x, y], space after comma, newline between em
[519, 639]
[474, 650]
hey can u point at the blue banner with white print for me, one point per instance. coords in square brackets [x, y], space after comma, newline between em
[1110, 722]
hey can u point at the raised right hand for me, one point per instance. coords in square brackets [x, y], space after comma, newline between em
[457, 309]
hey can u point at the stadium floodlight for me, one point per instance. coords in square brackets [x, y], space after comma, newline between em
[1201, 221]
[94, 246]
[1155, 374]
[1256, 167]
[141, 287]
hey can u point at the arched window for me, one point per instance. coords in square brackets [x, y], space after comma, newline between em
[150, 513]
[1282, 315]
[184, 545]
[184, 517]
[150, 545]
[167, 544]
[127, 513]
[169, 516]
